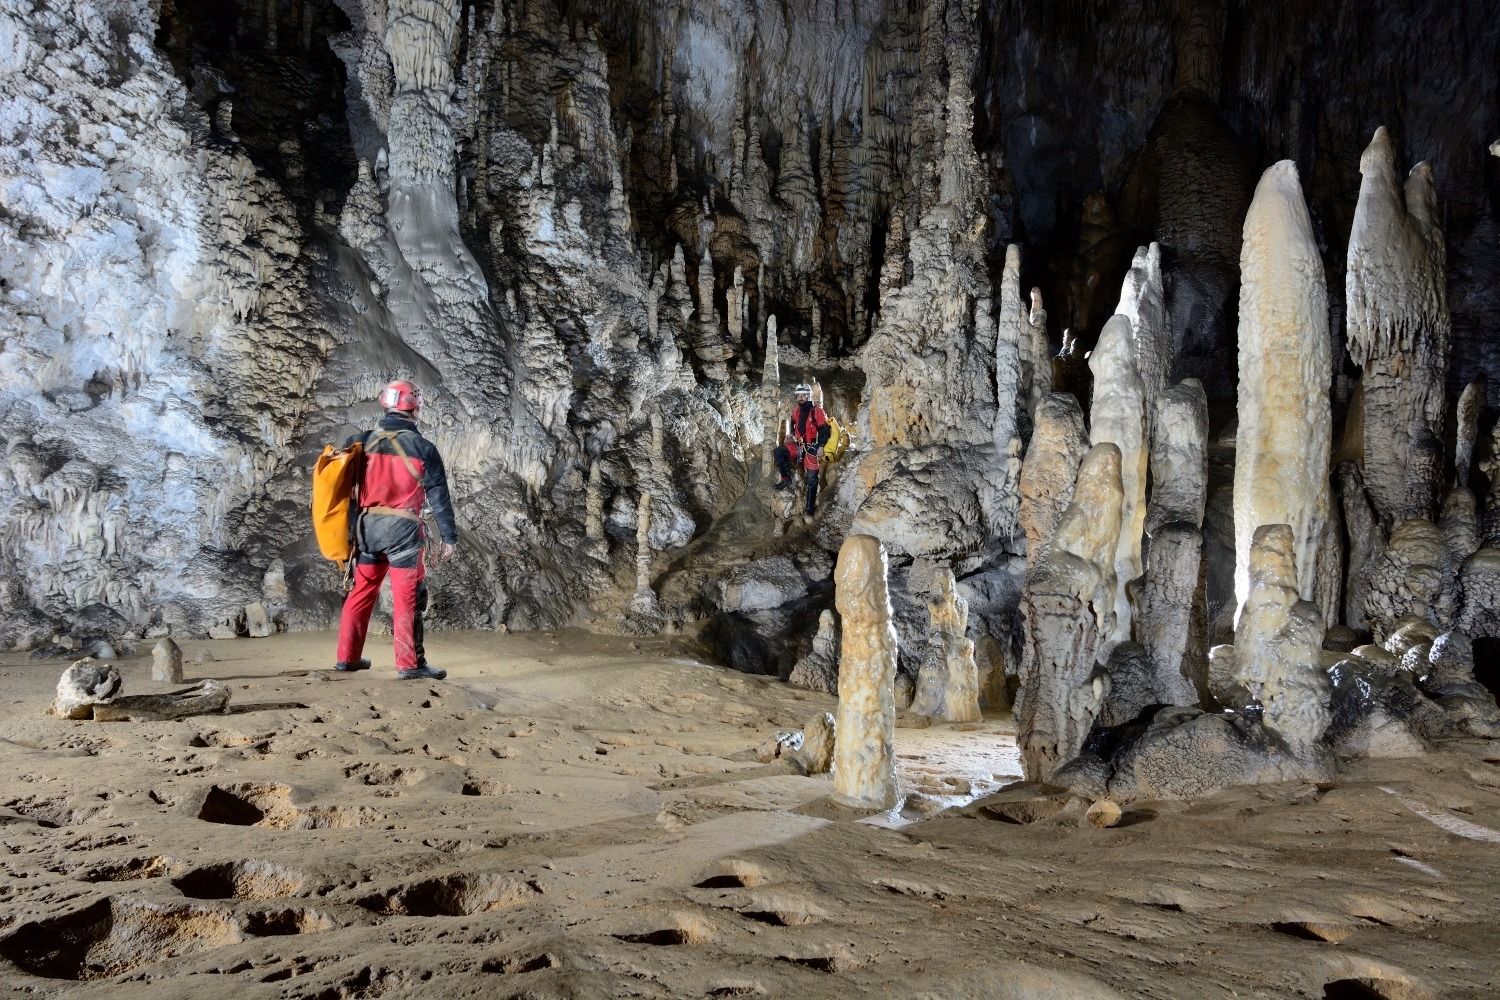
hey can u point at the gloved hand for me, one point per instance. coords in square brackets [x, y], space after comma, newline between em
[445, 551]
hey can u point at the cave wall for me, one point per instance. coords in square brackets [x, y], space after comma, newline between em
[226, 224]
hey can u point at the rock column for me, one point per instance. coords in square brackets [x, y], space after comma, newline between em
[1068, 605]
[1399, 330]
[1171, 625]
[1118, 417]
[864, 765]
[1285, 427]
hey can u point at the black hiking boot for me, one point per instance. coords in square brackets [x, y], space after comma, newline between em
[345, 668]
[783, 485]
[424, 672]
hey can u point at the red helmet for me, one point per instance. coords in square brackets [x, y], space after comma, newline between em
[401, 395]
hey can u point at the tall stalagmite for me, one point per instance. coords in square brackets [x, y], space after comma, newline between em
[1118, 417]
[864, 762]
[1399, 330]
[1068, 604]
[1171, 625]
[1285, 426]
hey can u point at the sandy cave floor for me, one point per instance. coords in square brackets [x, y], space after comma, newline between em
[577, 816]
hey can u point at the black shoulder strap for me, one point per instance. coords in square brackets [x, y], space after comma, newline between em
[394, 437]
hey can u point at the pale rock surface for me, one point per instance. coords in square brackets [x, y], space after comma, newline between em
[864, 774]
[1068, 606]
[1171, 622]
[1143, 301]
[1449, 680]
[815, 755]
[1479, 589]
[1399, 331]
[1285, 427]
[258, 621]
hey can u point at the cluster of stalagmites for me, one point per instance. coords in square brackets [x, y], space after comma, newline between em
[1357, 590]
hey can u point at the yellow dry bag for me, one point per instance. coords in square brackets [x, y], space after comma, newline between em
[838, 441]
[334, 478]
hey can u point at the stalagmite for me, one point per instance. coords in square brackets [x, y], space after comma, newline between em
[1285, 427]
[1470, 406]
[819, 669]
[593, 520]
[1278, 646]
[1040, 353]
[1118, 417]
[864, 766]
[1143, 301]
[948, 681]
[166, 662]
[1411, 578]
[645, 598]
[1171, 625]
[1058, 443]
[1013, 343]
[1399, 329]
[1068, 606]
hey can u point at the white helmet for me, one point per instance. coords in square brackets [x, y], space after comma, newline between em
[803, 389]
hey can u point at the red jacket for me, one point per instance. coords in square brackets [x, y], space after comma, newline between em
[389, 481]
[806, 433]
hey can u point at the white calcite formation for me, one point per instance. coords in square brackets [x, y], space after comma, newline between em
[864, 764]
[1068, 605]
[1118, 417]
[1399, 331]
[1143, 302]
[1285, 427]
[948, 679]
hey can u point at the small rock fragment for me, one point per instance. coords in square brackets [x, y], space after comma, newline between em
[1103, 813]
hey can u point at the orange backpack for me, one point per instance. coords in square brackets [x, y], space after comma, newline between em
[334, 477]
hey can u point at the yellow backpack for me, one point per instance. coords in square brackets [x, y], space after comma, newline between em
[838, 441]
[334, 478]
